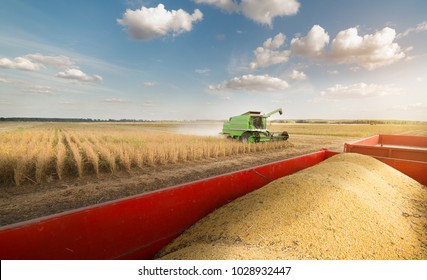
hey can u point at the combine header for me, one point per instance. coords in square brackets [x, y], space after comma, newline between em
[252, 127]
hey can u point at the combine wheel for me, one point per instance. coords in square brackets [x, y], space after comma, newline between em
[285, 135]
[245, 137]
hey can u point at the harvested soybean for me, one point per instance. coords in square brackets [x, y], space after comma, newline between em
[350, 206]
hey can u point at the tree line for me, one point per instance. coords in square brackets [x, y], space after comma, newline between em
[24, 119]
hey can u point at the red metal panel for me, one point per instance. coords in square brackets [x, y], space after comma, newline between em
[391, 152]
[404, 140]
[367, 150]
[329, 154]
[138, 226]
[409, 154]
[414, 169]
[392, 146]
[372, 141]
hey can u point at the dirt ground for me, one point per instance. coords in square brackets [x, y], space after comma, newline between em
[27, 202]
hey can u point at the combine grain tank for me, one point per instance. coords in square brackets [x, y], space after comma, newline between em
[252, 127]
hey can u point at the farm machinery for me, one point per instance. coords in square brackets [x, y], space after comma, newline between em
[252, 127]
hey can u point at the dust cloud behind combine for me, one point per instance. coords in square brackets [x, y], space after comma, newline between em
[211, 129]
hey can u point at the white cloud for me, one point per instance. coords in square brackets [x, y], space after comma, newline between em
[370, 51]
[298, 75]
[46, 90]
[259, 11]
[4, 80]
[359, 90]
[313, 44]
[37, 61]
[225, 5]
[150, 23]
[251, 83]
[411, 107]
[150, 84]
[60, 61]
[203, 71]
[114, 100]
[268, 54]
[276, 42]
[419, 28]
[20, 63]
[76, 74]
[149, 104]
[265, 11]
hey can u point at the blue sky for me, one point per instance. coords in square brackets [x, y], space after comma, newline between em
[211, 59]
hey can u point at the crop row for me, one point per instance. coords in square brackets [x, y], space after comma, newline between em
[39, 155]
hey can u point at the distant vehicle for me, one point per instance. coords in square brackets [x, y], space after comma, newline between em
[252, 127]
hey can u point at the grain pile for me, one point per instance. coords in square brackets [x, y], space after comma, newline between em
[350, 206]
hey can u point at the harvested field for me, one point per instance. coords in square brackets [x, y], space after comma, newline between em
[350, 206]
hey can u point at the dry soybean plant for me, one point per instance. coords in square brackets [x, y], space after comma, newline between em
[58, 151]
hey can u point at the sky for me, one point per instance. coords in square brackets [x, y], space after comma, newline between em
[212, 59]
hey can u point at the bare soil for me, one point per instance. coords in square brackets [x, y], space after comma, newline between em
[31, 201]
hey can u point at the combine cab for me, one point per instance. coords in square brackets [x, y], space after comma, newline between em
[252, 127]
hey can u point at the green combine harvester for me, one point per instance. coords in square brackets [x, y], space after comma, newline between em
[252, 127]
